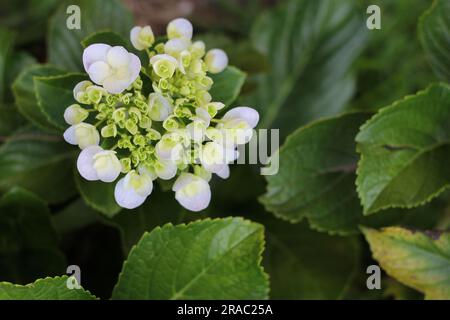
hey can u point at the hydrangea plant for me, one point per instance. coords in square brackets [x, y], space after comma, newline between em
[174, 131]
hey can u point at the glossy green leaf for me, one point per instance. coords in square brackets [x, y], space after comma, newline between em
[39, 162]
[207, 259]
[434, 33]
[28, 242]
[227, 85]
[10, 120]
[55, 94]
[6, 43]
[98, 195]
[405, 151]
[64, 45]
[160, 208]
[304, 264]
[25, 95]
[311, 46]
[420, 260]
[43, 289]
[104, 36]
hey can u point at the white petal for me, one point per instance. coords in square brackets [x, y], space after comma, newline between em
[134, 36]
[115, 86]
[216, 60]
[164, 56]
[166, 169]
[99, 71]
[118, 57]
[107, 165]
[85, 163]
[175, 46]
[134, 67]
[95, 52]
[127, 197]
[180, 28]
[249, 115]
[192, 192]
[69, 135]
[81, 86]
[225, 172]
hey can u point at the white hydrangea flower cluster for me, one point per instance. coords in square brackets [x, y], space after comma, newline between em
[172, 131]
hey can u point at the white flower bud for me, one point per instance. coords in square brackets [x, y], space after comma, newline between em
[164, 65]
[132, 190]
[94, 163]
[216, 60]
[192, 192]
[214, 156]
[75, 114]
[142, 37]
[175, 46]
[237, 125]
[112, 67]
[165, 169]
[170, 147]
[180, 28]
[79, 90]
[82, 134]
[198, 49]
[159, 107]
[107, 165]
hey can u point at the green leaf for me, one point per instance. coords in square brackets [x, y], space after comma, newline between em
[316, 177]
[420, 260]
[43, 289]
[104, 36]
[28, 242]
[55, 94]
[6, 44]
[10, 120]
[159, 209]
[311, 46]
[207, 259]
[39, 162]
[404, 151]
[227, 85]
[304, 264]
[64, 46]
[434, 33]
[25, 96]
[98, 195]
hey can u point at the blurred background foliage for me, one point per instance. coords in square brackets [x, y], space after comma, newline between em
[304, 60]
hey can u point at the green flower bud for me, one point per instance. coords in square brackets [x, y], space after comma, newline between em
[119, 115]
[152, 134]
[126, 98]
[95, 94]
[111, 100]
[165, 67]
[135, 114]
[203, 97]
[145, 122]
[185, 91]
[126, 165]
[109, 131]
[159, 48]
[138, 83]
[131, 126]
[139, 140]
[170, 124]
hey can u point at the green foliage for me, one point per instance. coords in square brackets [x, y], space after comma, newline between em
[25, 95]
[43, 289]
[417, 259]
[301, 63]
[96, 15]
[227, 85]
[98, 195]
[28, 242]
[311, 46]
[404, 150]
[39, 162]
[434, 32]
[209, 259]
